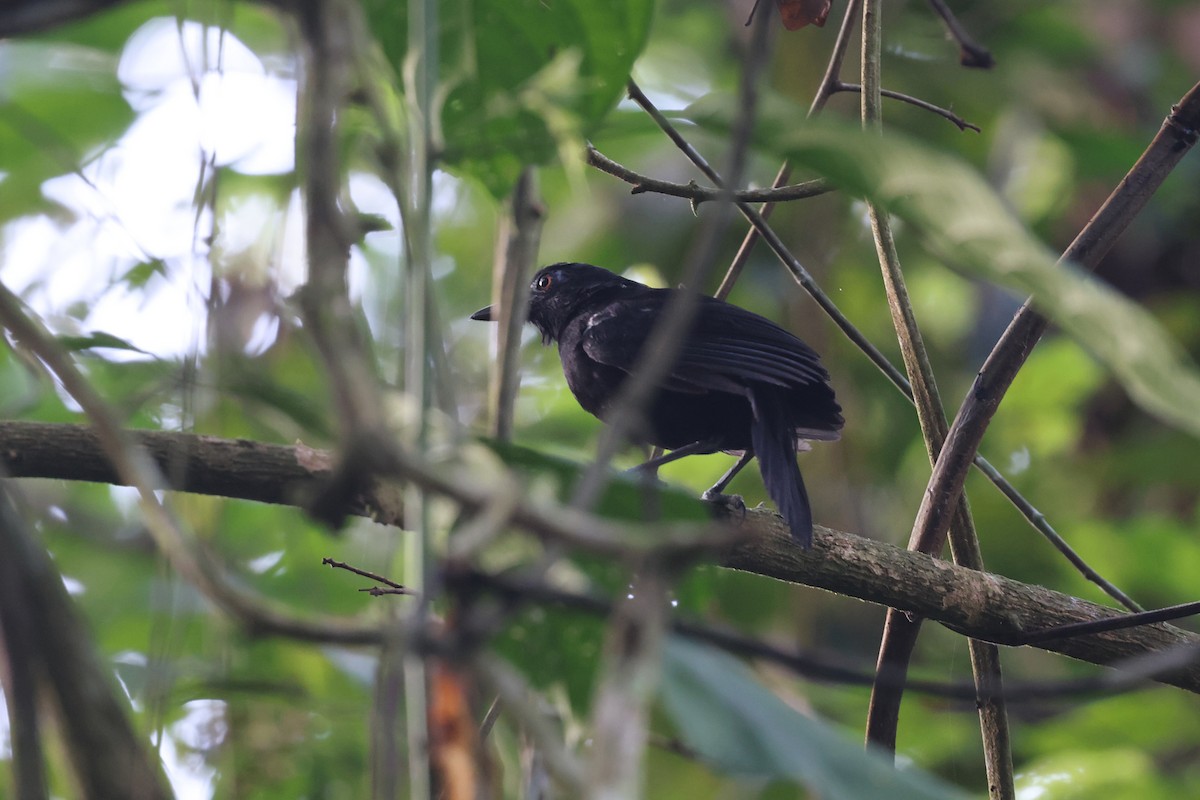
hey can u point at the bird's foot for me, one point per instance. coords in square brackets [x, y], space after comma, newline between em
[647, 475]
[733, 503]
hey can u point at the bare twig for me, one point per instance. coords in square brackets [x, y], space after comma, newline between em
[389, 585]
[489, 719]
[1118, 623]
[971, 53]
[961, 123]
[699, 194]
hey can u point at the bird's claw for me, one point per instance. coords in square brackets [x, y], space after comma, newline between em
[646, 475]
[733, 503]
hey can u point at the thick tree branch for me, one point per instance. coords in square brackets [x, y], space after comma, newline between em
[235, 468]
[976, 604]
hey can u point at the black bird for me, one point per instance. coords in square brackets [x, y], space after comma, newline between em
[741, 384]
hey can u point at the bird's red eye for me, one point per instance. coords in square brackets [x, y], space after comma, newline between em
[543, 283]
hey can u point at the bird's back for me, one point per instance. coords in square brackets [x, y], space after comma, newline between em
[728, 357]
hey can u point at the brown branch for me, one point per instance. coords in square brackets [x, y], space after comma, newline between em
[234, 468]
[979, 605]
[699, 194]
[945, 113]
[52, 450]
[976, 604]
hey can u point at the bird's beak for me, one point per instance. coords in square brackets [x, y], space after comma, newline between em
[483, 314]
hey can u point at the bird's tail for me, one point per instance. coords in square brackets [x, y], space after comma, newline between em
[775, 446]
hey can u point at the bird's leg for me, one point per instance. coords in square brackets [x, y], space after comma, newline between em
[715, 493]
[650, 467]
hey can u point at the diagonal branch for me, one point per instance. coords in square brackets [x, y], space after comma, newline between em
[971, 53]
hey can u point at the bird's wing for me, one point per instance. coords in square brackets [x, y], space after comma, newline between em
[726, 347]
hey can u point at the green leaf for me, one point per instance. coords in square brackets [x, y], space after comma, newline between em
[94, 340]
[740, 727]
[58, 104]
[139, 275]
[522, 79]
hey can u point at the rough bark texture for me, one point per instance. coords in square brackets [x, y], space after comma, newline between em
[978, 604]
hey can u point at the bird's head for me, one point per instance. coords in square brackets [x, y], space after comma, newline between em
[559, 292]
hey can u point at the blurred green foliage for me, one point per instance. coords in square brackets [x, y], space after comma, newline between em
[1077, 92]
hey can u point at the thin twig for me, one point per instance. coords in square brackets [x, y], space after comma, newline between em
[489, 719]
[1115, 624]
[391, 586]
[698, 194]
[971, 53]
[824, 92]
[961, 123]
